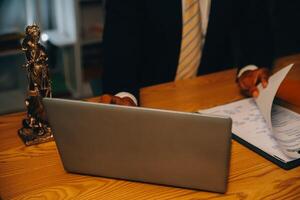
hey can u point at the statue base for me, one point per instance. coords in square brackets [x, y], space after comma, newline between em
[31, 136]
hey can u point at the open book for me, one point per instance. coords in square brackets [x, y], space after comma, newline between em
[268, 129]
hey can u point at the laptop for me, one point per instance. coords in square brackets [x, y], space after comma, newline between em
[187, 150]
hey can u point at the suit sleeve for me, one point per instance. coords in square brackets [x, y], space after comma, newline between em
[122, 42]
[253, 27]
[285, 17]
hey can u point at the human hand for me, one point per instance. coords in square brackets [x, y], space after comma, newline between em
[249, 80]
[111, 99]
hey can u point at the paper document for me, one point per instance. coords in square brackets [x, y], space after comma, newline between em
[271, 128]
[266, 95]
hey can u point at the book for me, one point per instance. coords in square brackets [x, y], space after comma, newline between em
[266, 128]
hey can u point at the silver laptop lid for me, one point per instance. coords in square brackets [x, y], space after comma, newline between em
[148, 145]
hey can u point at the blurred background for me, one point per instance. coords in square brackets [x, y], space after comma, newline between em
[72, 34]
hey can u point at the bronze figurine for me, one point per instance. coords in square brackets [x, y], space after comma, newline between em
[36, 128]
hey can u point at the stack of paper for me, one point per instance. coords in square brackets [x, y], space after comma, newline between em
[272, 129]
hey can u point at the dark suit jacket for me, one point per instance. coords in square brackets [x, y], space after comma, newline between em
[142, 40]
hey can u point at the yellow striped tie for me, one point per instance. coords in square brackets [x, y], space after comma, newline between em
[190, 52]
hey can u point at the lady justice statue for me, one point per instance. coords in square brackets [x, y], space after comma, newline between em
[35, 127]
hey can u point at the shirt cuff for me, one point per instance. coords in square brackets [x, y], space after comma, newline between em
[246, 68]
[127, 94]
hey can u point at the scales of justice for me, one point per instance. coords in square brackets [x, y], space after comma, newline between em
[35, 128]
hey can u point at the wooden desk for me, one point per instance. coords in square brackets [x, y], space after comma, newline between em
[37, 172]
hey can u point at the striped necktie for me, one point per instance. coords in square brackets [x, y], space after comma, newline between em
[190, 52]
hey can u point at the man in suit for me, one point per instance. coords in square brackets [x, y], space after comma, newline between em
[148, 42]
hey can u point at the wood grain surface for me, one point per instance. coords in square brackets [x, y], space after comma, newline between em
[36, 172]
